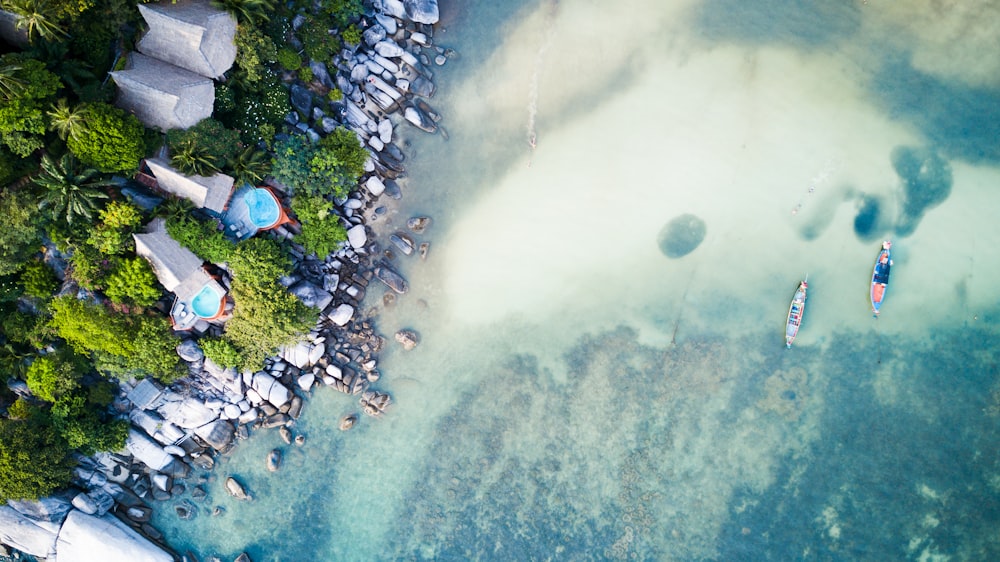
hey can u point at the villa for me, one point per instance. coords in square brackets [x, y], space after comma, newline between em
[200, 298]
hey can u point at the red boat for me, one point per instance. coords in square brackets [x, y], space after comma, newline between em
[880, 276]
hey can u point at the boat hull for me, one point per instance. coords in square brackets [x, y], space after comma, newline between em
[880, 279]
[795, 311]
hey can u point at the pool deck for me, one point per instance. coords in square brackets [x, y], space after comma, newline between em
[236, 218]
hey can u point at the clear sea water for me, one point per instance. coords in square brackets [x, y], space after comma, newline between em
[578, 394]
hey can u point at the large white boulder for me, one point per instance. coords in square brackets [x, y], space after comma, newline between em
[342, 314]
[185, 411]
[147, 451]
[271, 390]
[357, 237]
[31, 537]
[422, 11]
[375, 186]
[87, 538]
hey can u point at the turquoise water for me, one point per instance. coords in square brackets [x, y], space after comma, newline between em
[262, 207]
[207, 302]
[586, 389]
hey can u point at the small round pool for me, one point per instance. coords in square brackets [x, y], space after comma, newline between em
[263, 207]
[207, 303]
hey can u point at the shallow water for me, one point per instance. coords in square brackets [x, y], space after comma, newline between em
[583, 391]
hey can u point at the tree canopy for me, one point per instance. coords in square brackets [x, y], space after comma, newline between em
[111, 139]
[34, 460]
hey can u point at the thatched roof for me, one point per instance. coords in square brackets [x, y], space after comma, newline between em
[210, 192]
[162, 95]
[190, 34]
[175, 266]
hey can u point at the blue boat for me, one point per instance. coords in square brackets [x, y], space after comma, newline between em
[795, 311]
[880, 277]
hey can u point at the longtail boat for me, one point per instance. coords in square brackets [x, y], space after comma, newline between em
[880, 277]
[795, 311]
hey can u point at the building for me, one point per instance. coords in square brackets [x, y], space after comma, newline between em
[190, 34]
[199, 296]
[210, 193]
[162, 95]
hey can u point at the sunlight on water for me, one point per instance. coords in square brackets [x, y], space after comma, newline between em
[578, 394]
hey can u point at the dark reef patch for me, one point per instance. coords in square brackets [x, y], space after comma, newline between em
[796, 22]
[926, 182]
[681, 236]
[867, 219]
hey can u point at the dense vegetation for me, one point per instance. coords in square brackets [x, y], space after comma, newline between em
[79, 310]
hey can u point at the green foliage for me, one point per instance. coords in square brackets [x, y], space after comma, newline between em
[29, 330]
[39, 280]
[192, 159]
[254, 52]
[13, 167]
[247, 12]
[113, 236]
[20, 235]
[50, 378]
[317, 42]
[249, 166]
[225, 99]
[133, 281]
[137, 344]
[289, 59]
[322, 231]
[22, 117]
[88, 266]
[82, 427]
[121, 215]
[260, 110]
[111, 141]
[351, 35]
[342, 12]
[210, 136]
[259, 261]
[221, 351]
[21, 409]
[331, 166]
[34, 460]
[335, 95]
[65, 120]
[306, 74]
[39, 18]
[266, 316]
[109, 241]
[69, 192]
[201, 237]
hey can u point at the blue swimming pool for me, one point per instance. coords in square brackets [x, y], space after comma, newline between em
[207, 302]
[263, 207]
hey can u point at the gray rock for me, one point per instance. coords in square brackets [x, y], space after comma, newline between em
[375, 186]
[408, 339]
[385, 131]
[328, 124]
[418, 224]
[422, 11]
[419, 38]
[394, 8]
[419, 119]
[300, 440]
[422, 87]
[376, 143]
[388, 48]
[217, 434]
[244, 557]
[301, 99]
[231, 411]
[236, 489]
[392, 189]
[186, 510]
[422, 250]
[440, 60]
[88, 537]
[161, 481]
[359, 73]
[357, 237]
[274, 460]
[85, 503]
[321, 73]
[348, 421]
[311, 295]
[393, 280]
[386, 22]
[190, 351]
[286, 435]
[402, 242]
[373, 35]
[342, 314]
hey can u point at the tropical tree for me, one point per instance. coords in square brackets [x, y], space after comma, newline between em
[249, 12]
[67, 191]
[20, 235]
[110, 141]
[22, 115]
[34, 460]
[133, 281]
[193, 159]
[249, 166]
[38, 18]
[10, 84]
[67, 121]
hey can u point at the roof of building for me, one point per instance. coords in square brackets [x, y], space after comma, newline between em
[210, 192]
[145, 394]
[175, 266]
[163, 95]
[190, 34]
[9, 30]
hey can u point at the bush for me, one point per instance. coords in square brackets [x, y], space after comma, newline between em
[351, 35]
[331, 166]
[39, 280]
[306, 74]
[50, 378]
[34, 460]
[20, 235]
[133, 281]
[317, 42]
[210, 136]
[88, 267]
[259, 261]
[322, 231]
[111, 140]
[201, 237]
[254, 51]
[289, 59]
[221, 351]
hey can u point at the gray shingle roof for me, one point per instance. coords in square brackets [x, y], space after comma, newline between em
[162, 95]
[190, 34]
[210, 192]
[175, 266]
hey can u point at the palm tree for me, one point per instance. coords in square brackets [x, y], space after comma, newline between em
[10, 84]
[69, 192]
[67, 121]
[250, 166]
[175, 208]
[247, 11]
[37, 18]
[191, 159]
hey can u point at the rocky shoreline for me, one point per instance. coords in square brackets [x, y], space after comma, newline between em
[177, 432]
